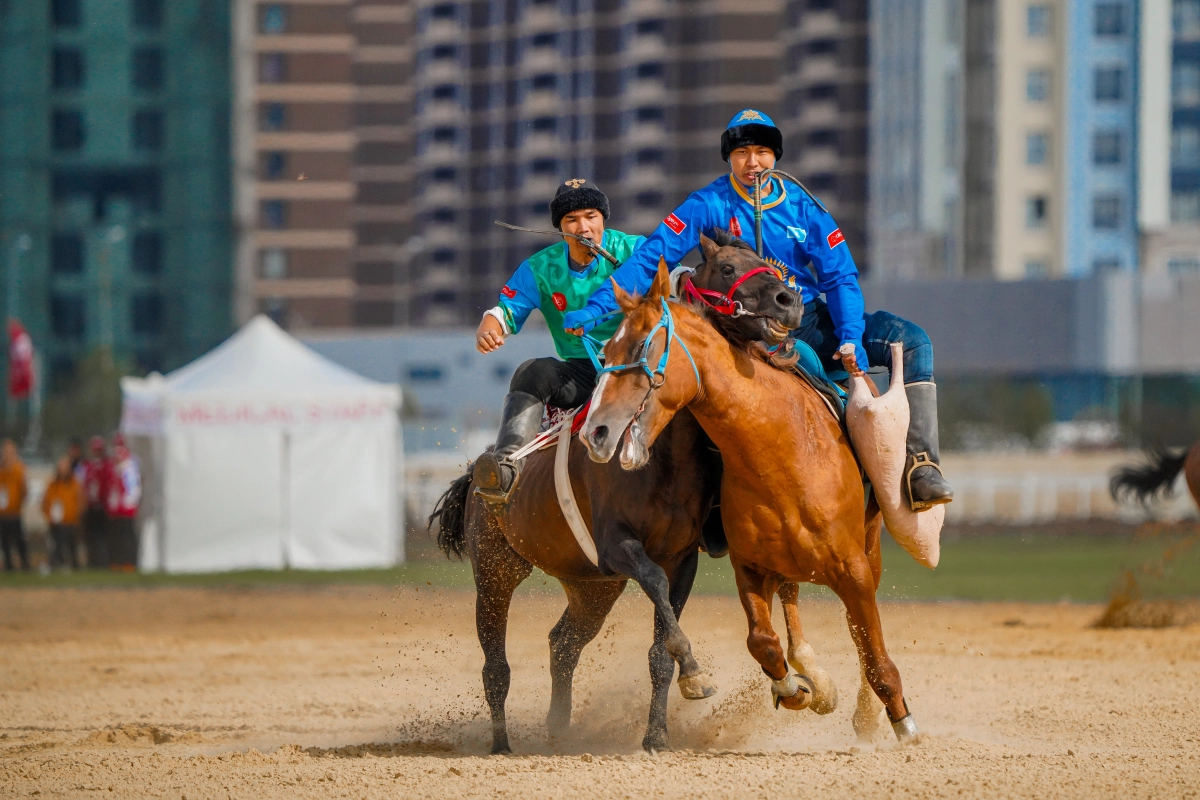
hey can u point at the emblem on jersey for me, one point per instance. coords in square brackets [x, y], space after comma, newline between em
[735, 227]
[675, 223]
[835, 238]
[560, 301]
[575, 183]
[799, 234]
[750, 115]
[509, 293]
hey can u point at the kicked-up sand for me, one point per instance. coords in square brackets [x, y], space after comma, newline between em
[375, 692]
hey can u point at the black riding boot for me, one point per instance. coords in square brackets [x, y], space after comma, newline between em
[924, 485]
[495, 475]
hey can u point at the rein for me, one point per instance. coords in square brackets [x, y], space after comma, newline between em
[725, 304]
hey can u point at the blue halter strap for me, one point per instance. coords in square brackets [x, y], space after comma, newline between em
[657, 375]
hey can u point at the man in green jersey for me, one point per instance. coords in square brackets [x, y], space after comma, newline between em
[555, 280]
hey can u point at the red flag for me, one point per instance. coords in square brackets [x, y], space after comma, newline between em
[20, 360]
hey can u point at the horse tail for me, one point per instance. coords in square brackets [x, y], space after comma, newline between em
[1151, 480]
[451, 515]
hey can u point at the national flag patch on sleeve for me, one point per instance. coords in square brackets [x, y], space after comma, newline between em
[835, 238]
[675, 223]
[509, 293]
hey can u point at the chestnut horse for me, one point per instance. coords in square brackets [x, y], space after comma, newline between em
[792, 500]
[1157, 477]
[646, 526]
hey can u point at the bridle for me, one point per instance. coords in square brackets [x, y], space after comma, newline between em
[724, 303]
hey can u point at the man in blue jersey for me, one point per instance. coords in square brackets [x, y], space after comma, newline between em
[797, 232]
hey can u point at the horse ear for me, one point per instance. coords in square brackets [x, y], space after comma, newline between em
[708, 247]
[662, 281]
[625, 300]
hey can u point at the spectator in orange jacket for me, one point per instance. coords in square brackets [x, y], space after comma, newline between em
[63, 506]
[13, 489]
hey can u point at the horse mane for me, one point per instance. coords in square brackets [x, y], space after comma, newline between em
[724, 238]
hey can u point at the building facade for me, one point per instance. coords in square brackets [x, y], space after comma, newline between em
[114, 178]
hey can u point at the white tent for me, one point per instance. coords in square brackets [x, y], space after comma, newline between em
[261, 455]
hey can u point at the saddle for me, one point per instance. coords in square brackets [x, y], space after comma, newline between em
[831, 386]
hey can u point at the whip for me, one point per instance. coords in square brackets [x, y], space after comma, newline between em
[758, 209]
[586, 242]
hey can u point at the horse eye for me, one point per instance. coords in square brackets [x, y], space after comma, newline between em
[727, 270]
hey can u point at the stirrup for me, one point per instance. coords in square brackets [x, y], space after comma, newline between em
[921, 459]
[499, 497]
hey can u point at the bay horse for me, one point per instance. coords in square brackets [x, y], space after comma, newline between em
[646, 527]
[792, 500]
[1157, 477]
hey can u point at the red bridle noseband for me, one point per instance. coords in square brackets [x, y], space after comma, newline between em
[724, 304]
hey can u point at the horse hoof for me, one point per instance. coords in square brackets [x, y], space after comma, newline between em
[905, 729]
[825, 694]
[656, 743]
[696, 687]
[501, 750]
[793, 692]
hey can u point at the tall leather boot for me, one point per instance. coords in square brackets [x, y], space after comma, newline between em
[495, 475]
[924, 485]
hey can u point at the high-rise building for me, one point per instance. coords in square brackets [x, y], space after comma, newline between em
[114, 177]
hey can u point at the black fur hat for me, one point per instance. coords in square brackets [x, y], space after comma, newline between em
[751, 127]
[574, 195]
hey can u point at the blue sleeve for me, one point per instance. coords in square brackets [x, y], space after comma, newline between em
[519, 297]
[837, 277]
[672, 239]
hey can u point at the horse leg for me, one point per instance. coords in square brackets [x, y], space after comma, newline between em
[756, 593]
[801, 655]
[498, 571]
[855, 585]
[588, 604]
[625, 555]
[662, 666]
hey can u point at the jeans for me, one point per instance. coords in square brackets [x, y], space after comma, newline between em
[881, 329]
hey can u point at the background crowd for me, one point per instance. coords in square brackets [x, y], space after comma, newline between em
[90, 505]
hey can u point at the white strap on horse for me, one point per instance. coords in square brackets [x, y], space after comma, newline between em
[566, 495]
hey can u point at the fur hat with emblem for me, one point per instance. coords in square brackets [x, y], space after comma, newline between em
[574, 195]
[750, 126]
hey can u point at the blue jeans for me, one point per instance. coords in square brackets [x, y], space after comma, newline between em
[816, 330]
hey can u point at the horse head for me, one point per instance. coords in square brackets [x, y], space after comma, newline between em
[757, 305]
[649, 374]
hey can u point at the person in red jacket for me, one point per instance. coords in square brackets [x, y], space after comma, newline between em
[97, 477]
[124, 498]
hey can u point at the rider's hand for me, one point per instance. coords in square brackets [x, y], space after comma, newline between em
[490, 334]
[859, 353]
[574, 331]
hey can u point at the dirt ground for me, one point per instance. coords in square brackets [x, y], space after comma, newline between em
[375, 692]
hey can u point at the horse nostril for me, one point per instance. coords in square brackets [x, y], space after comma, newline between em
[599, 434]
[785, 299]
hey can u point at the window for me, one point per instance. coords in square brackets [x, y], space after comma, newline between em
[648, 157]
[274, 165]
[274, 264]
[1038, 20]
[1109, 84]
[1036, 211]
[444, 135]
[445, 175]
[1106, 212]
[822, 5]
[1110, 19]
[1106, 265]
[446, 216]
[1186, 19]
[147, 14]
[546, 82]
[66, 254]
[67, 316]
[649, 27]
[649, 199]
[272, 68]
[1185, 84]
[821, 47]
[443, 256]
[823, 91]
[147, 253]
[147, 69]
[650, 70]
[650, 114]
[425, 373]
[147, 130]
[822, 181]
[544, 166]
[274, 117]
[1183, 266]
[1185, 206]
[274, 214]
[67, 68]
[274, 20]
[444, 52]
[1036, 268]
[823, 137]
[1185, 147]
[444, 297]
[544, 125]
[443, 11]
[65, 13]
[67, 130]
[147, 313]
[446, 91]
[545, 39]
[1106, 148]
[1037, 149]
[1037, 85]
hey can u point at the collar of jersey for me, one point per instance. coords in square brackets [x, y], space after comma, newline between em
[591, 267]
[741, 190]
